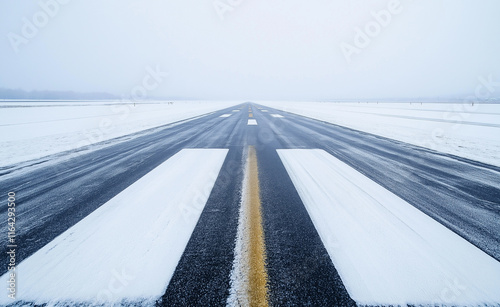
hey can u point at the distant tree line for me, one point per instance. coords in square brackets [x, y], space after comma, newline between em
[57, 95]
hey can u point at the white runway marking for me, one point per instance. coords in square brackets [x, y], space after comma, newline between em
[128, 248]
[236, 110]
[225, 115]
[277, 115]
[265, 111]
[385, 250]
[252, 122]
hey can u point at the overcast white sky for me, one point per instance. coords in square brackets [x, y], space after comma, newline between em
[261, 49]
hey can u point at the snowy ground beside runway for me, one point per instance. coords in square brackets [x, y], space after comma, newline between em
[34, 129]
[463, 130]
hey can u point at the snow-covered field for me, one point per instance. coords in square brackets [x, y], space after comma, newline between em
[463, 130]
[30, 130]
[386, 251]
[127, 250]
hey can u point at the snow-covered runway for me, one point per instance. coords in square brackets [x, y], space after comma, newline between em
[347, 217]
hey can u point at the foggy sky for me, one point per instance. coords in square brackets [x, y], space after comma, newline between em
[242, 49]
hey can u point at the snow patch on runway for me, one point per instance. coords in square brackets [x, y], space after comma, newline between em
[241, 268]
[386, 251]
[127, 249]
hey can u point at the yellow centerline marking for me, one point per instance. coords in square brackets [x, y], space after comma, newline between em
[258, 273]
[249, 274]
[250, 115]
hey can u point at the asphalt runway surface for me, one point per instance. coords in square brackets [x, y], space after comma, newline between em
[57, 192]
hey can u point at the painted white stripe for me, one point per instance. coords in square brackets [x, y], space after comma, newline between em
[385, 250]
[252, 122]
[225, 115]
[129, 247]
[236, 110]
[265, 111]
[276, 115]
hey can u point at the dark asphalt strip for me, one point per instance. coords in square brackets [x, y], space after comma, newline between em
[300, 270]
[203, 273]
